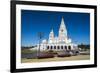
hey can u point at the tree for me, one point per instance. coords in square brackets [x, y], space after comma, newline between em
[84, 46]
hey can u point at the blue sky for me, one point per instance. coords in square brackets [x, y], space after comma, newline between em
[32, 22]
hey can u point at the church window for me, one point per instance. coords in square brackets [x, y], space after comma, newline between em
[69, 47]
[51, 47]
[61, 47]
[58, 47]
[54, 47]
[62, 30]
[47, 47]
[66, 47]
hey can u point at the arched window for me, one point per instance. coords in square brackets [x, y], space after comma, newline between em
[61, 47]
[69, 47]
[47, 47]
[51, 47]
[58, 47]
[66, 47]
[54, 47]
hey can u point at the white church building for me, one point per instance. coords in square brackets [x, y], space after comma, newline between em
[60, 43]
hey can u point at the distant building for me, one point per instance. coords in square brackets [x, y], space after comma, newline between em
[60, 43]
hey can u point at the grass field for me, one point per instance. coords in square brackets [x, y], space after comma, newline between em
[71, 58]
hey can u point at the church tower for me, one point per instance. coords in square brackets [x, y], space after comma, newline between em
[51, 36]
[62, 32]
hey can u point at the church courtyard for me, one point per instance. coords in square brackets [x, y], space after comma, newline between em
[71, 58]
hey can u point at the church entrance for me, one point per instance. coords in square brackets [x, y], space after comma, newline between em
[66, 47]
[69, 47]
[58, 47]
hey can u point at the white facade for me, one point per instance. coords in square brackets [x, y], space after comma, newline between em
[60, 43]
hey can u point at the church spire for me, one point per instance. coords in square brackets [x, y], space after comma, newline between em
[51, 36]
[62, 30]
[62, 25]
[51, 31]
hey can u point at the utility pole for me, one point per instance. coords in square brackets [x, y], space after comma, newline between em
[40, 36]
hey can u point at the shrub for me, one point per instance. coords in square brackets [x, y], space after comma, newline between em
[63, 54]
[45, 55]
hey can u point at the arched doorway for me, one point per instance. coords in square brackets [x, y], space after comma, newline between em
[47, 47]
[69, 47]
[51, 47]
[66, 47]
[61, 47]
[54, 47]
[58, 47]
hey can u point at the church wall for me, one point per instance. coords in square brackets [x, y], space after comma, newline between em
[62, 47]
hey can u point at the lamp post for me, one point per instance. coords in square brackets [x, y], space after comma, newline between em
[40, 36]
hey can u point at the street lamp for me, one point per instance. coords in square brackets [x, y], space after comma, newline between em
[40, 36]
